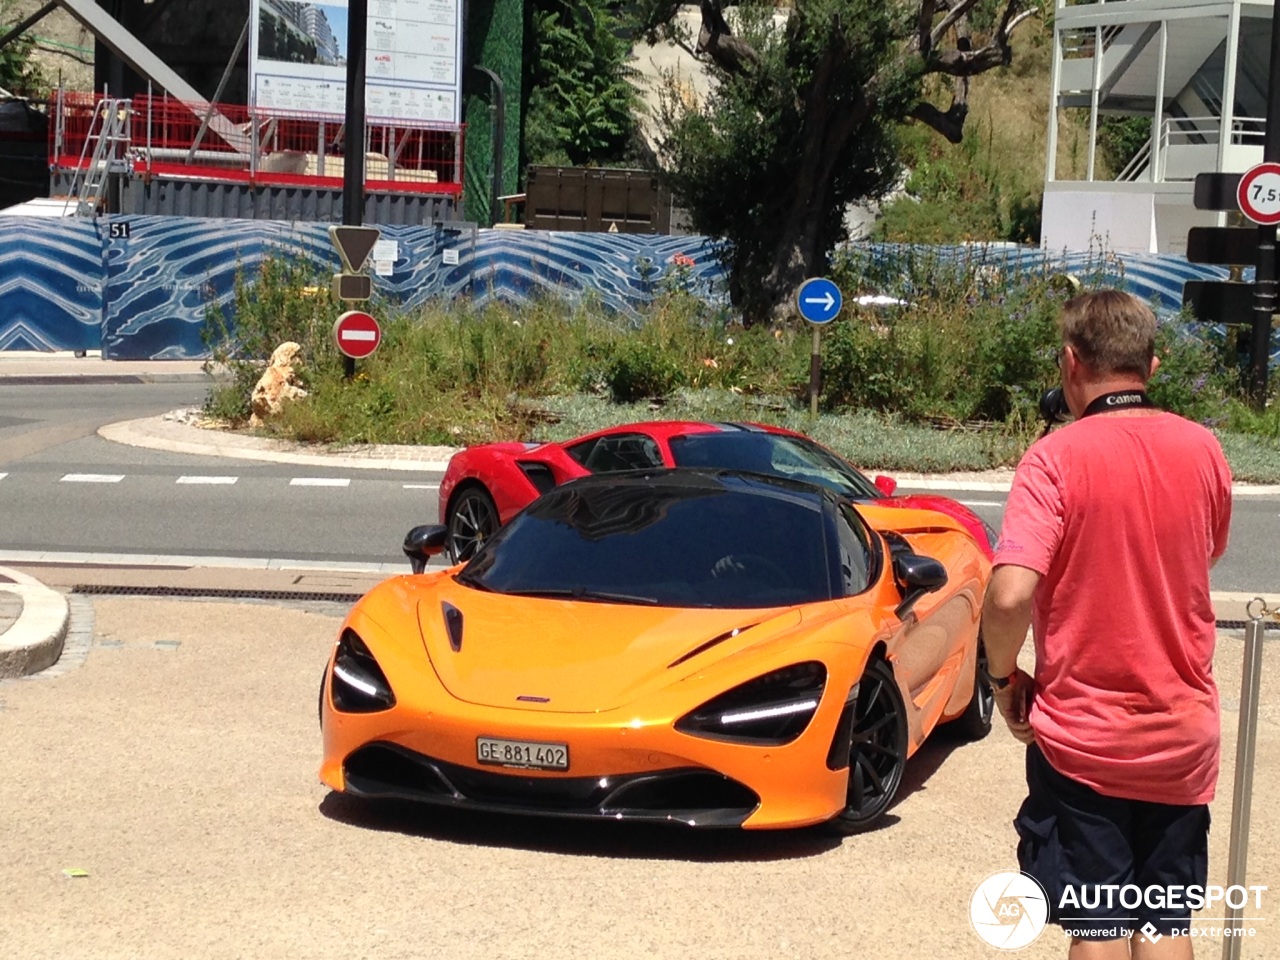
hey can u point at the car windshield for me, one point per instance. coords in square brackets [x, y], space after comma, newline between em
[673, 540]
[774, 454]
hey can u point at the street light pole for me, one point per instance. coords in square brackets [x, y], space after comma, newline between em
[1264, 284]
[353, 161]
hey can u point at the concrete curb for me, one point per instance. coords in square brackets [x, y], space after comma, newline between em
[157, 433]
[35, 641]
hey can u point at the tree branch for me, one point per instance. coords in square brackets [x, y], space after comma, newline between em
[949, 124]
[732, 54]
[924, 39]
[957, 12]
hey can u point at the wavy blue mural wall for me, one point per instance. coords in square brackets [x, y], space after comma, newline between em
[139, 287]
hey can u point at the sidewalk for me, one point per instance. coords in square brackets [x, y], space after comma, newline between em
[23, 367]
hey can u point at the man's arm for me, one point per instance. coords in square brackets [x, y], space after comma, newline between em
[1006, 615]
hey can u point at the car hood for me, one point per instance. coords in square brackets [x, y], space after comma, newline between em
[572, 656]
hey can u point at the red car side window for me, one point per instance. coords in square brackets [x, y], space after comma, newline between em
[626, 451]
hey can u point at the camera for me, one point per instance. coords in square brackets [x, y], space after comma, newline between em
[1053, 407]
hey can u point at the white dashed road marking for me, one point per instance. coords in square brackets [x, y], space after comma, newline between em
[221, 481]
[407, 486]
[3, 475]
[982, 503]
[93, 478]
[320, 482]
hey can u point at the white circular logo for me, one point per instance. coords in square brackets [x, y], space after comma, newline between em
[1009, 910]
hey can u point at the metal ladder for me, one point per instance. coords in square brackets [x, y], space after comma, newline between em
[110, 132]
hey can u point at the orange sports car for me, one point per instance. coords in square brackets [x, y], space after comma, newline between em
[708, 648]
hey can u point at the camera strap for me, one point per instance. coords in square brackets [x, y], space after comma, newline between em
[1118, 400]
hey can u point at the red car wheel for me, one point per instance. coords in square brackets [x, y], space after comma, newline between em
[473, 519]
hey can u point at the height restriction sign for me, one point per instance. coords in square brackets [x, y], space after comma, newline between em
[1259, 193]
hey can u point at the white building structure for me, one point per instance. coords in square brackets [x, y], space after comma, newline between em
[1198, 69]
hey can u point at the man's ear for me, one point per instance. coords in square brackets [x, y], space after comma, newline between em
[1155, 365]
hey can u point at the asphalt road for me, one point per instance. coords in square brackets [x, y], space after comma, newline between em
[67, 490]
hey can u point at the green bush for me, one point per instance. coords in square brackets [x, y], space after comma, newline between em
[285, 300]
[970, 353]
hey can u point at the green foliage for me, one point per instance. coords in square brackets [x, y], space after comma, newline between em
[1191, 379]
[970, 353]
[736, 159]
[19, 74]
[581, 104]
[972, 342]
[286, 300]
[1120, 138]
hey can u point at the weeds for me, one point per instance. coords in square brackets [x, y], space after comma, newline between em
[950, 380]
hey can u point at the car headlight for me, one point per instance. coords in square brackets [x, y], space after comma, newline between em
[359, 685]
[769, 711]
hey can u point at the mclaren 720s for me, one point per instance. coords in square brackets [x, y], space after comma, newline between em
[696, 647]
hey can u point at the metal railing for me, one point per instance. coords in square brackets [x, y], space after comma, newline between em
[171, 138]
[1178, 132]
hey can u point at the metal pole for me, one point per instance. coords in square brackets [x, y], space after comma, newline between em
[21, 28]
[1098, 53]
[1264, 286]
[353, 166]
[353, 160]
[1055, 87]
[815, 370]
[217, 94]
[498, 110]
[1154, 170]
[1246, 749]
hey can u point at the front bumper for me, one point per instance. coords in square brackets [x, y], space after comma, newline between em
[685, 796]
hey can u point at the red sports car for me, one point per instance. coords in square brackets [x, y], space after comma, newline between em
[486, 486]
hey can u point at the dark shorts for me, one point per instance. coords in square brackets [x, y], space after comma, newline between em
[1113, 860]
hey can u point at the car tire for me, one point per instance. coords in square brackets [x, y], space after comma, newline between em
[877, 750]
[975, 722]
[472, 519]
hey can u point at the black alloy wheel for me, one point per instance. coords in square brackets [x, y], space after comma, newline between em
[473, 519]
[975, 722]
[877, 751]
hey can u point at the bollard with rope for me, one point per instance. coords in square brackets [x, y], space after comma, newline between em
[1246, 749]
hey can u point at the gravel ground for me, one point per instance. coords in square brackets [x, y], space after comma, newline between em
[177, 768]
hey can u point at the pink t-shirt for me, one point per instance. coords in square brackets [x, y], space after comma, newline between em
[1120, 516]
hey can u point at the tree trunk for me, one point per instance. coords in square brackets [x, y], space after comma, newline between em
[802, 240]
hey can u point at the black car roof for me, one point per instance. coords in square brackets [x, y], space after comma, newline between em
[699, 478]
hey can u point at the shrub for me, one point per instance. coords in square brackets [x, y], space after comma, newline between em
[285, 299]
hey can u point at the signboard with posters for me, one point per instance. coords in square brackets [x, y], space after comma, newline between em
[298, 58]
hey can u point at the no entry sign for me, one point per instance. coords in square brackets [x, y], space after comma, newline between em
[1259, 193]
[356, 334]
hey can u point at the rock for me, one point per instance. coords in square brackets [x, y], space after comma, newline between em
[279, 384]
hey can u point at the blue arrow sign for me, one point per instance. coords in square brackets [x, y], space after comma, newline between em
[819, 300]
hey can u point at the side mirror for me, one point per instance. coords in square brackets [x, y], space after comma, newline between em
[916, 576]
[886, 485]
[424, 542]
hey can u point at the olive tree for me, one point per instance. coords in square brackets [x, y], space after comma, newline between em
[801, 117]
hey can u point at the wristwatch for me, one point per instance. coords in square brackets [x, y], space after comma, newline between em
[998, 683]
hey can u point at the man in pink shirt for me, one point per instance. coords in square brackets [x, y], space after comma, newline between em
[1109, 532]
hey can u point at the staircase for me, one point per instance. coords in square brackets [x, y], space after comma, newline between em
[109, 136]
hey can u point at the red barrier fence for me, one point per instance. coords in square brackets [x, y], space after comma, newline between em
[164, 137]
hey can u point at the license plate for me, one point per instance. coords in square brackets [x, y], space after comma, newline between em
[526, 754]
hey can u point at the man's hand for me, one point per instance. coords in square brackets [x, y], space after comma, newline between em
[1014, 703]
